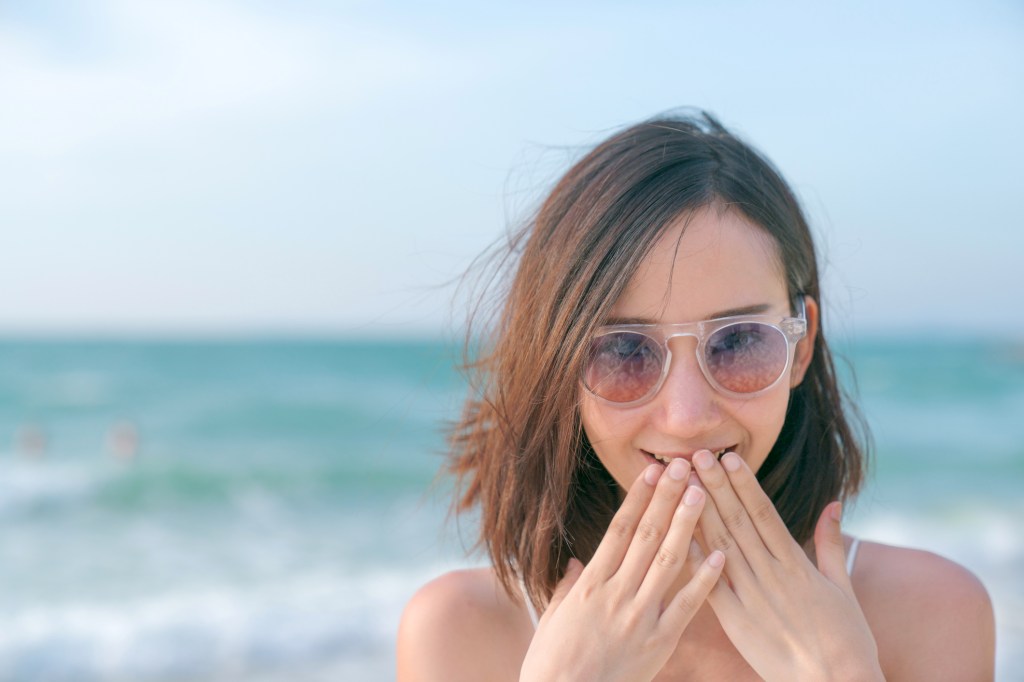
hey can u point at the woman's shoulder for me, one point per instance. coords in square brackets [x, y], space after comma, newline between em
[459, 624]
[932, 618]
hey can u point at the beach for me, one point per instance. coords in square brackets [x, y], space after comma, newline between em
[262, 509]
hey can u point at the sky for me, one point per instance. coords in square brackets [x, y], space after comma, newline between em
[313, 167]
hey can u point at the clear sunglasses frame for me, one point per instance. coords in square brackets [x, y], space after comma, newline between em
[792, 328]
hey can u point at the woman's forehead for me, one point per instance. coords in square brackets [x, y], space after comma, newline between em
[706, 262]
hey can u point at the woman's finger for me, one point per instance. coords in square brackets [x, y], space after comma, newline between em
[762, 512]
[830, 549]
[573, 569]
[608, 556]
[648, 546]
[687, 602]
[731, 510]
[715, 535]
[673, 554]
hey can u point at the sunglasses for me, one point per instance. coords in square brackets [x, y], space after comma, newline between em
[740, 356]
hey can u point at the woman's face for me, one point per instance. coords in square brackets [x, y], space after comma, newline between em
[721, 264]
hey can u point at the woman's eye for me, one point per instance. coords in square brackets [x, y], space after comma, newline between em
[735, 340]
[626, 346]
[738, 340]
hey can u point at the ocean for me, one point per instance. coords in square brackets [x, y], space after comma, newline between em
[262, 510]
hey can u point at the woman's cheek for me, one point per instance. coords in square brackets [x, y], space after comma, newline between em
[608, 432]
[764, 418]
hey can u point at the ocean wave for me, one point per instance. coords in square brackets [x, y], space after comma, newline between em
[981, 532]
[28, 485]
[52, 487]
[218, 632]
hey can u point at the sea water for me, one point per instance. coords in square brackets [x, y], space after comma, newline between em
[262, 510]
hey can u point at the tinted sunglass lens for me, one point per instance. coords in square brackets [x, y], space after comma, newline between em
[746, 357]
[623, 366]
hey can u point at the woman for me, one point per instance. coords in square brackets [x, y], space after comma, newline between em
[659, 452]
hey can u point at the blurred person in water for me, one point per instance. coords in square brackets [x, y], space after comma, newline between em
[30, 441]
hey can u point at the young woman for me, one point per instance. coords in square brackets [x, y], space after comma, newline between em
[659, 451]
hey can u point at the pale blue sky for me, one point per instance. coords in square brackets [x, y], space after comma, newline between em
[324, 167]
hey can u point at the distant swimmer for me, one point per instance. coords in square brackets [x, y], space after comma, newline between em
[30, 441]
[123, 440]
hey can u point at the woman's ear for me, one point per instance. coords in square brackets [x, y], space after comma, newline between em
[805, 346]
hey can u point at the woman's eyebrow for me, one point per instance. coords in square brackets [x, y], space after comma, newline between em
[757, 309]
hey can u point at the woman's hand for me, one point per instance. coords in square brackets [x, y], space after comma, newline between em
[614, 619]
[787, 618]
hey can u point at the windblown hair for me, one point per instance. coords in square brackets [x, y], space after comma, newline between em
[519, 451]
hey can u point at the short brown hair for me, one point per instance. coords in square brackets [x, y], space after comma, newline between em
[519, 451]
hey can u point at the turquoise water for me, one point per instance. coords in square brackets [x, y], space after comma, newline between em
[262, 510]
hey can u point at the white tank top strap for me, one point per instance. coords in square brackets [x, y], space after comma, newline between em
[851, 555]
[529, 604]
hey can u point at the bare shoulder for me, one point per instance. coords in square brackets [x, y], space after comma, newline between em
[459, 625]
[931, 617]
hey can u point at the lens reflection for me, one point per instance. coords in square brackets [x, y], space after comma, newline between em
[623, 366]
[746, 357]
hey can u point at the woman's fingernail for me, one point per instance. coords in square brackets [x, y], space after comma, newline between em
[693, 496]
[678, 469]
[716, 559]
[652, 473]
[704, 460]
[731, 461]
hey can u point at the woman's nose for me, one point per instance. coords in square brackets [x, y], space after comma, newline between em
[687, 405]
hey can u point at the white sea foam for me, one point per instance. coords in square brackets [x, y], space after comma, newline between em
[316, 620]
[29, 484]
